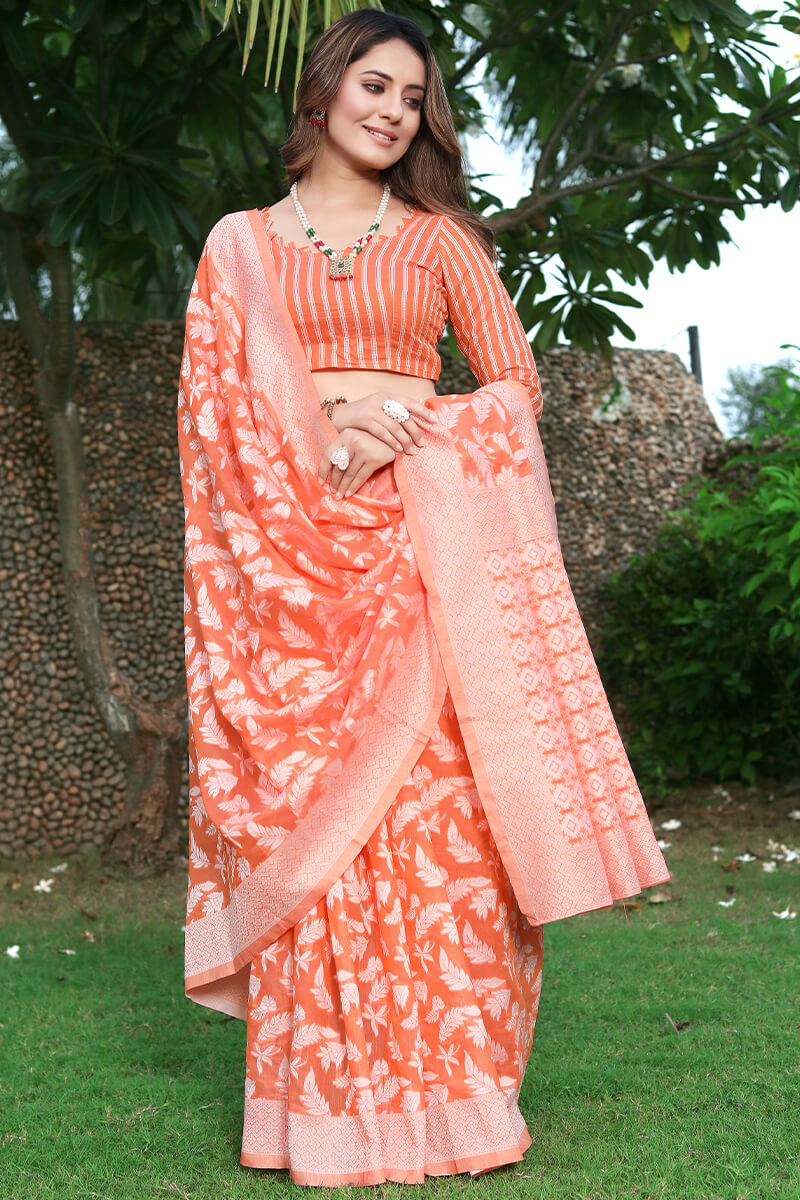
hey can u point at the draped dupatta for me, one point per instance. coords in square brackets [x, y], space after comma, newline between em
[321, 636]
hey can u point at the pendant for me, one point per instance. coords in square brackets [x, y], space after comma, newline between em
[342, 266]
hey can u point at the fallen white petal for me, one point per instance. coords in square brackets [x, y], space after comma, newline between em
[769, 866]
[60, 867]
[68, 952]
[746, 857]
[726, 903]
[783, 915]
[12, 951]
[794, 815]
[44, 885]
[662, 845]
[673, 823]
[718, 849]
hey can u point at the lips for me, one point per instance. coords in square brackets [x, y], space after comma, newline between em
[387, 138]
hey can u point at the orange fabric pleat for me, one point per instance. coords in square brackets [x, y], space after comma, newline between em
[389, 1029]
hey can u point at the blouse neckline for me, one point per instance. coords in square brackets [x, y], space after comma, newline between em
[266, 217]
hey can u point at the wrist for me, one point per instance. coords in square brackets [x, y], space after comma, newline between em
[329, 404]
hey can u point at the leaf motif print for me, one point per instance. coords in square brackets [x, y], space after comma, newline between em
[476, 951]
[196, 894]
[221, 781]
[206, 420]
[485, 901]
[319, 989]
[447, 749]
[289, 669]
[386, 1090]
[314, 1103]
[244, 543]
[281, 772]
[461, 850]
[213, 902]
[430, 874]
[311, 931]
[294, 635]
[332, 1054]
[303, 785]
[266, 837]
[403, 813]
[453, 977]
[478, 1081]
[224, 306]
[205, 609]
[454, 1018]
[197, 855]
[498, 1002]
[462, 885]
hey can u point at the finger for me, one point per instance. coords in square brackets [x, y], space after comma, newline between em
[401, 434]
[414, 431]
[347, 476]
[357, 481]
[385, 435]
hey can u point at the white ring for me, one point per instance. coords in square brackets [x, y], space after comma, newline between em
[341, 457]
[393, 408]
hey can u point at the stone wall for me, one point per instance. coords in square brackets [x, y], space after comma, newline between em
[620, 441]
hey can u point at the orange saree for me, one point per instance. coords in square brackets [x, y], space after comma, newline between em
[402, 761]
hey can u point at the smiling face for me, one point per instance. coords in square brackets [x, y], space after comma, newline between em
[382, 91]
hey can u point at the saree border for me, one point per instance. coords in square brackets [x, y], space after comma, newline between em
[472, 1133]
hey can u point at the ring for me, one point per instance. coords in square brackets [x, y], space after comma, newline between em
[341, 458]
[393, 408]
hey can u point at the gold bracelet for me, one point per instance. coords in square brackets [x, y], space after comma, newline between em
[330, 401]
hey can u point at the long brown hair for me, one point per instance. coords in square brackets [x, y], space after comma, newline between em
[431, 173]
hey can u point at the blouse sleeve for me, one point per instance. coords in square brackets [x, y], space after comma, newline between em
[482, 314]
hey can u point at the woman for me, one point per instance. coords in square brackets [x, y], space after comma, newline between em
[402, 762]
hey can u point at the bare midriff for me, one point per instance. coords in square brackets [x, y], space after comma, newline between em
[356, 382]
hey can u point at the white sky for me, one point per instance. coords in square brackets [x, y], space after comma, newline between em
[745, 308]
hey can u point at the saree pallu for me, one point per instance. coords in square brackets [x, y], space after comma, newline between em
[391, 697]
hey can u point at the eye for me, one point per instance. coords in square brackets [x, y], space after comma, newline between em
[415, 103]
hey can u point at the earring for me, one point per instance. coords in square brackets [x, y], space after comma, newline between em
[317, 117]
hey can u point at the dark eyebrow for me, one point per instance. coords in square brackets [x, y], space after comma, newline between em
[383, 75]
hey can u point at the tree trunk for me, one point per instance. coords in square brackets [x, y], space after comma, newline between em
[151, 737]
[147, 833]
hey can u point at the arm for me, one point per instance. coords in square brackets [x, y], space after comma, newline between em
[482, 314]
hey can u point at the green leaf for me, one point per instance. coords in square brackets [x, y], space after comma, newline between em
[790, 192]
[681, 34]
[113, 197]
[618, 298]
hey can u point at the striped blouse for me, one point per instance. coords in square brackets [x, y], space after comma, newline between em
[406, 285]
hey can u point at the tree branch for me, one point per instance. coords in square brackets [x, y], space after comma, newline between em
[625, 18]
[707, 198]
[29, 315]
[517, 220]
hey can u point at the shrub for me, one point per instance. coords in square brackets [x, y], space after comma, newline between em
[701, 638]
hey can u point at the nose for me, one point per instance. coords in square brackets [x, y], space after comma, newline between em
[392, 107]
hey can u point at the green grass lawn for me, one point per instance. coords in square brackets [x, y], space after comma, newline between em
[114, 1085]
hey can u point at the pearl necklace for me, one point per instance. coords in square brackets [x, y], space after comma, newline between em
[341, 264]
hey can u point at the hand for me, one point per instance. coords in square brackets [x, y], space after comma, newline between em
[367, 454]
[367, 414]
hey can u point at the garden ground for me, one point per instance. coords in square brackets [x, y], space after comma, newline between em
[665, 1063]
